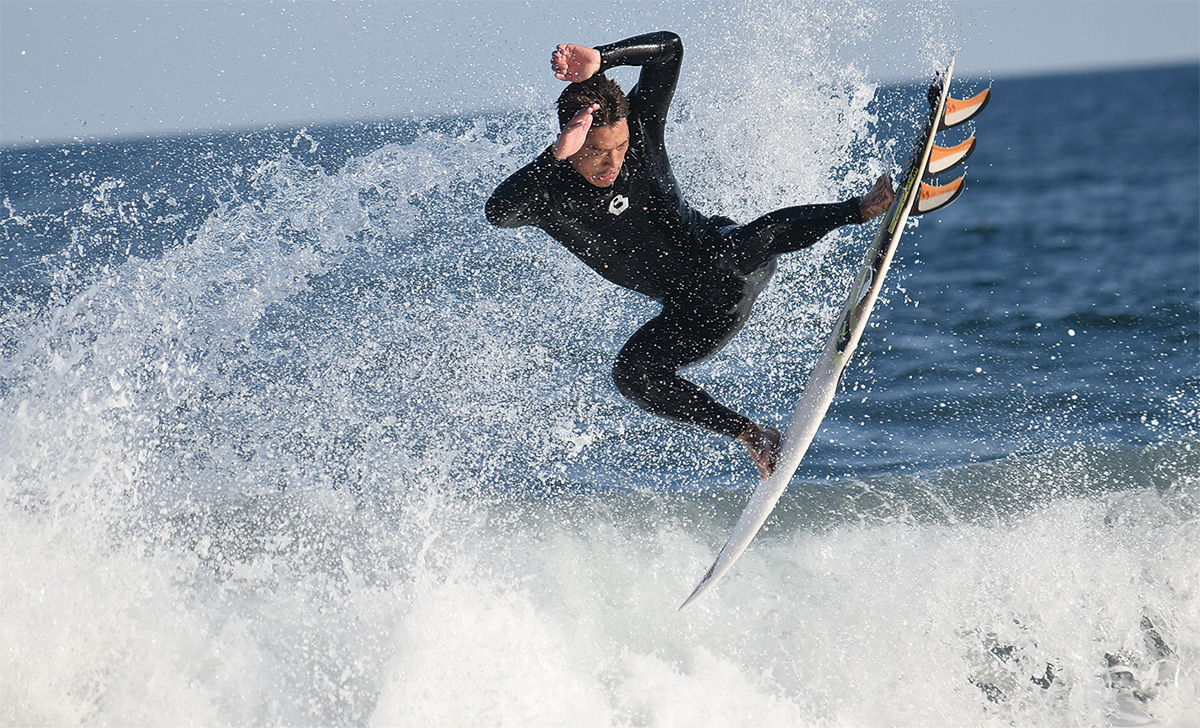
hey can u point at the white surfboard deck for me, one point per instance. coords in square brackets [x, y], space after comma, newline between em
[823, 381]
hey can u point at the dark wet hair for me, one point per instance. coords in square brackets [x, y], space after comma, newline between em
[598, 89]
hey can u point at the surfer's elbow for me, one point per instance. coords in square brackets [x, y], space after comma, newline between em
[500, 213]
[673, 43]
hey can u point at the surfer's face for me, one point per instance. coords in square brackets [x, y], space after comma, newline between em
[602, 155]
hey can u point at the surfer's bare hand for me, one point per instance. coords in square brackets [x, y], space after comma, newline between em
[878, 199]
[574, 62]
[574, 134]
[763, 443]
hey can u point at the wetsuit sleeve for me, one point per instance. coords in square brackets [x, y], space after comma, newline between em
[660, 55]
[521, 199]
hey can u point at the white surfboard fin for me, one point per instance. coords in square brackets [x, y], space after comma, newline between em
[936, 197]
[959, 111]
[944, 159]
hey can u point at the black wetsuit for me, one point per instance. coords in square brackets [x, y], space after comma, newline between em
[641, 234]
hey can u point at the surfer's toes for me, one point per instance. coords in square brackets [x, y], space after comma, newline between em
[765, 465]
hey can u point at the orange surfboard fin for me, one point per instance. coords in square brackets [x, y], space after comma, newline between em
[935, 197]
[959, 111]
[943, 159]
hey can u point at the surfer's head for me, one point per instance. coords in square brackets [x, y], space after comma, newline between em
[599, 89]
[603, 153]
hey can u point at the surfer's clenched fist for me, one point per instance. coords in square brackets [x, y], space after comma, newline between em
[574, 63]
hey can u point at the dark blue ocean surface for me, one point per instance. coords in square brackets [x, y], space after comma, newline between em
[1059, 304]
[312, 443]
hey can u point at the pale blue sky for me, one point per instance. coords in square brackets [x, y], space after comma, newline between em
[98, 69]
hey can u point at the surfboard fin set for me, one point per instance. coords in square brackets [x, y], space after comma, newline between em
[944, 159]
[914, 196]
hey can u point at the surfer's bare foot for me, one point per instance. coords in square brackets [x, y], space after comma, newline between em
[763, 443]
[878, 199]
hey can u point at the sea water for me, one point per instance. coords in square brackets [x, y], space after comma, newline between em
[290, 435]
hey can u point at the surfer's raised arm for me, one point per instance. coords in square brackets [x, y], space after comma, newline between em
[660, 56]
[518, 200]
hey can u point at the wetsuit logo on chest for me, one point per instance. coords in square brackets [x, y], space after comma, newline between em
[619, 204]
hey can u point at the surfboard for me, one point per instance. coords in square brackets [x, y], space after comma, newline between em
[913, 197]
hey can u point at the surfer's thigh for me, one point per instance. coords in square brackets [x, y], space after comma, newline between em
[646, 370]
[677, 338]
[758, 243]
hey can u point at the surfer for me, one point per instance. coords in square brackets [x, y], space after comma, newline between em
[605, 190]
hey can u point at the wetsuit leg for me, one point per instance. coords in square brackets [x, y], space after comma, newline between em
[784, 231]
[691, 329]
[646, 370]
[687, 332]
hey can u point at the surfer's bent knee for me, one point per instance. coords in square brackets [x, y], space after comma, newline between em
[632, 377]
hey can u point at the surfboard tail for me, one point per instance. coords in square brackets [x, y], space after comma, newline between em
[932, 197]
